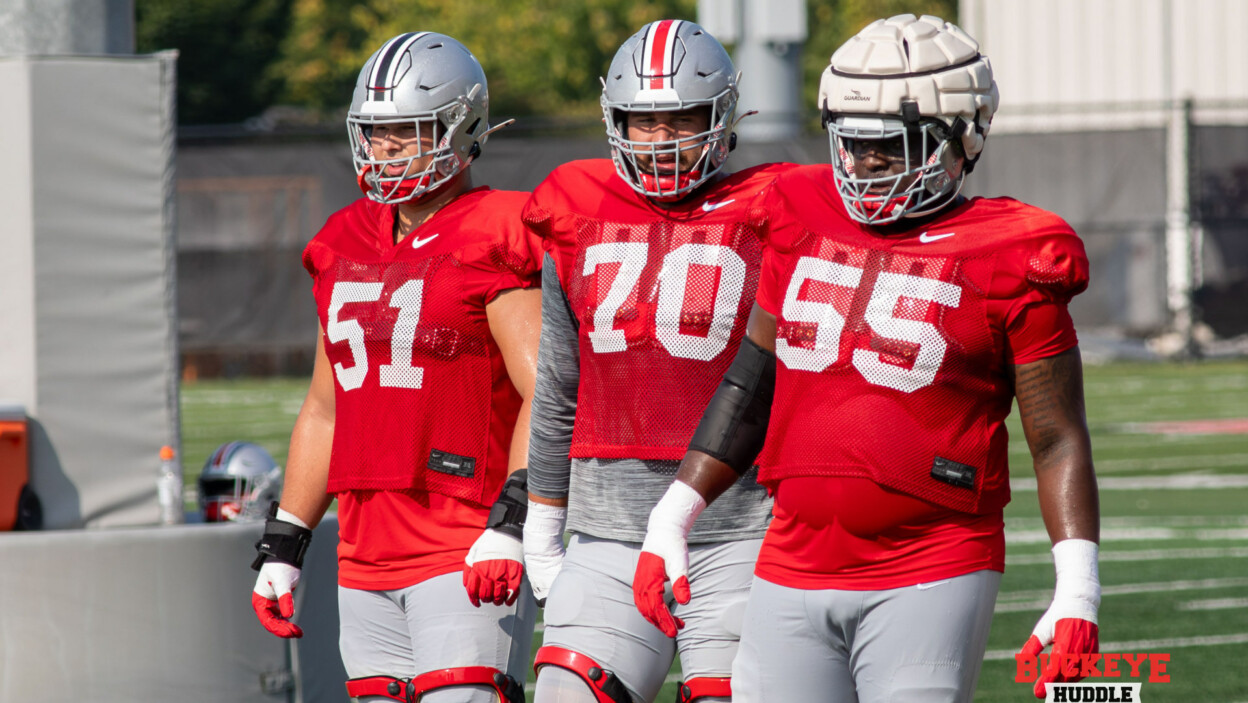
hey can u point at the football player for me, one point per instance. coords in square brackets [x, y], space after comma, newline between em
[650, 275]
[416, 418]
[895, 323]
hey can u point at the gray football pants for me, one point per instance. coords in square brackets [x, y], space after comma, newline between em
[432, 625]
[919, 644]
[590, 610]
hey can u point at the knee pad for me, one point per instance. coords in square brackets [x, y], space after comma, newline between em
[704, 687]
[606, 686]
[410, 690]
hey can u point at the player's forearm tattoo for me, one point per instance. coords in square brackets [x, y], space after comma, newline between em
[1050, 401]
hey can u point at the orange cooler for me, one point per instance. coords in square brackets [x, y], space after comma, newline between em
[14, 462]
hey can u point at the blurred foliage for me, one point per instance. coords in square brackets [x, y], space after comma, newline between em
[543, 57]
[225, 48]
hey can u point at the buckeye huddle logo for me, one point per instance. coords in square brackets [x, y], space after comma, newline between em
[1100, 674]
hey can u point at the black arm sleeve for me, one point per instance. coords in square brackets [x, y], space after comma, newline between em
[734, 425]
[554, 394]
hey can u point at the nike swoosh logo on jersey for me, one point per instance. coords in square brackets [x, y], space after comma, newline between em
[929, 238]
[712, 207]
[418, 243]
[934, 584]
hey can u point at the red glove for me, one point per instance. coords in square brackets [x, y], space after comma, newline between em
[273, 598]
[493, 569]
[665, 556]
[1072, 636]
[1070, 622]
[648, 592]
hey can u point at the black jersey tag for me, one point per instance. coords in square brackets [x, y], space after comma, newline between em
[953, 473]
[453, 464]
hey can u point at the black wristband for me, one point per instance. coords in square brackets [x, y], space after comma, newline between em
[283, 542]
[508, 512]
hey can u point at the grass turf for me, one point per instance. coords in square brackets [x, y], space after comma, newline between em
[1174, 560]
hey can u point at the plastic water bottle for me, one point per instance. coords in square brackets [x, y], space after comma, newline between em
[169, 488]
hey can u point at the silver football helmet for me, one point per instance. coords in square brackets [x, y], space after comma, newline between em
[670, 65]
[920, 81]
[238, 482]
[431, 82]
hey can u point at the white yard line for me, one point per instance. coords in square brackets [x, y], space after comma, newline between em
[1135, 534]
[1182, 482]
[1214, 604]
[1143, 645]
[1024, 601]
[1138, 555]
[1172, 463]
[1123, 521]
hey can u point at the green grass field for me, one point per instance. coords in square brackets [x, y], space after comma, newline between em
[1174, 532]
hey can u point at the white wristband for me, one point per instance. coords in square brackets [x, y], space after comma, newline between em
[290, 517]
[544, 525]
[1078, 585]
[676, 510]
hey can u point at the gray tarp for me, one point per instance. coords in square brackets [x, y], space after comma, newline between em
[157, 615]
[86, 163]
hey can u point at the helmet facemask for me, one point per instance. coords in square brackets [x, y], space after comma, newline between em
[443, 163]
[670, 66]
[712, 146]
[932, 175]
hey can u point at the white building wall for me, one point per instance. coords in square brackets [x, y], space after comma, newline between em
[1112, 64]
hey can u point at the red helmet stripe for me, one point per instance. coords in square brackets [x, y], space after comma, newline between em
[659, 42]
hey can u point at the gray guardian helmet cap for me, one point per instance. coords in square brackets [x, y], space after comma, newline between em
[430, 80]
[670, 65]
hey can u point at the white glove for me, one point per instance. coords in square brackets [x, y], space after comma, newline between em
[543, 546]
[273, 596]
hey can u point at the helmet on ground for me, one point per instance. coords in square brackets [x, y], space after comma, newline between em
[429, 80]
[238, 482]
[670, 65]
[920, 79]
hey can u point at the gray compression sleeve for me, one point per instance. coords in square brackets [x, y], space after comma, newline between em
[554, 395]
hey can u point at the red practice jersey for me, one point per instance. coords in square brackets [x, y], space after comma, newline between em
[892, 381]
[660, 295]
[424, 410]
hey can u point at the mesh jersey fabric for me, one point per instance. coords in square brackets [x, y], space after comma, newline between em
[894, 351]
[660, 296]
[611, 498]
[423, 402]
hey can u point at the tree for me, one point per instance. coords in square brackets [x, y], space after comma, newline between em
[543, 57]
[223, 49]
